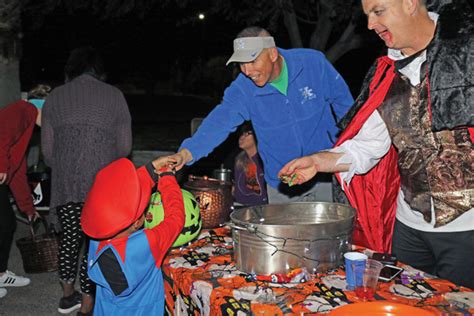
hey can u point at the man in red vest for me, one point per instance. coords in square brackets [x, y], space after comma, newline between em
[405, 158]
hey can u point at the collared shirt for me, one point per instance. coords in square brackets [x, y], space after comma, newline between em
[281, 83]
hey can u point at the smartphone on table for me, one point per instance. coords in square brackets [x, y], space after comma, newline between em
[389, 272]
[385, 258]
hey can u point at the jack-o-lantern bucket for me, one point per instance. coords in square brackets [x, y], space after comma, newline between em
[214, 198]
[193, 222]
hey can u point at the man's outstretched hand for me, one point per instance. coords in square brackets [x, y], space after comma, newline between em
[303, 169]
[298, 171]
[180, 158]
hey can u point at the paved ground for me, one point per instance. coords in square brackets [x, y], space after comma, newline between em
[40, 297]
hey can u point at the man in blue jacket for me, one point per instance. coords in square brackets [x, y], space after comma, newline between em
[293, 98]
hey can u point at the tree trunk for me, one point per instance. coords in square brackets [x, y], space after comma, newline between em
[322, 31]
[347, 42]
[9, 70]
[291, 24]
[9, 51]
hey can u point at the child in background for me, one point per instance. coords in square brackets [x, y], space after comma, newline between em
[250, 187]
[124, 259]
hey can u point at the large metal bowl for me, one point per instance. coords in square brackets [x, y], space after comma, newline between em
[277, 238]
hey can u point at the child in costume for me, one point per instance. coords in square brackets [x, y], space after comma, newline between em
[124, 259]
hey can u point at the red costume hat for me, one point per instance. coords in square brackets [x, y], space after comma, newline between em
[116, 200]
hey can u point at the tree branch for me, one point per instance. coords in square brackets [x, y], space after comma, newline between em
[321, 33]
[299, 18]
[10, 15]
[290, 20]
[340, 48]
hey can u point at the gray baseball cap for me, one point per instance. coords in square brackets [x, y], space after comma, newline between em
[248, 48]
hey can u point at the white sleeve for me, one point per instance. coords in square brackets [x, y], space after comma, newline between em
[366, 149]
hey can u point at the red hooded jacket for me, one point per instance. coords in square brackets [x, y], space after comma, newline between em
[17, 121]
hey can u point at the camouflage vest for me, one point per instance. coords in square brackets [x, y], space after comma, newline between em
[434, 167]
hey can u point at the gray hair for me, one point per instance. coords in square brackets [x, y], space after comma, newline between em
[253, 31]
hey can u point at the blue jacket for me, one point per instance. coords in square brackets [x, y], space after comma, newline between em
[287, 127]
[145, 293]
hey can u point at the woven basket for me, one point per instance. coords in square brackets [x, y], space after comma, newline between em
[39, 252]
[214, 198]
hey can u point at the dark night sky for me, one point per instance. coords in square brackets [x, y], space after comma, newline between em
[128, 45]
[136, 50]
[139, 49]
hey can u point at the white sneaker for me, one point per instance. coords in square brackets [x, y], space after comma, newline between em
[3, 292]
[11, 279]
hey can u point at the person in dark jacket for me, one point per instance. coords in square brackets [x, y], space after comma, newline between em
[86, 125]
[17, 122]
[406, 155]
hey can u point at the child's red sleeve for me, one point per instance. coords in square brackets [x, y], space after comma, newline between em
[162, 236]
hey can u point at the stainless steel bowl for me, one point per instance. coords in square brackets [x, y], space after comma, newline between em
[277, 238]
[222, 174]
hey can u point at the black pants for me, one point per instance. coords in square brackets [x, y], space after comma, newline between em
[447, 255]
[7, 226]
[72, 238]
[338, 195]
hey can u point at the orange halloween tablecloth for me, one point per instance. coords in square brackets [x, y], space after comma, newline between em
[201, 279]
